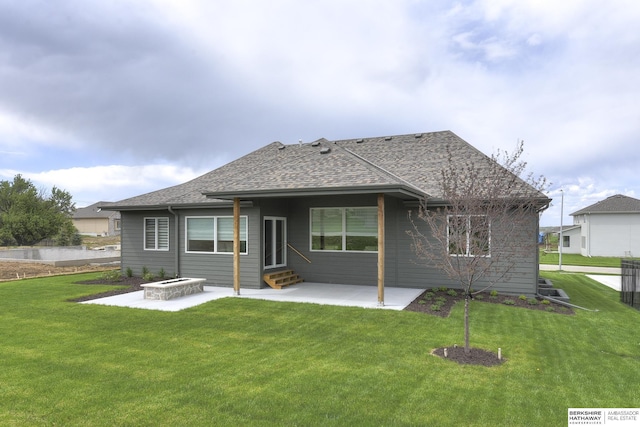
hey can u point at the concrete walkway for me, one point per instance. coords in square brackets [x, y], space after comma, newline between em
[582, 269]
[614, 282]
[608, 276]
[315, 293]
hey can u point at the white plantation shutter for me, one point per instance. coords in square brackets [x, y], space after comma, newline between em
[156, 233]
[163, 233]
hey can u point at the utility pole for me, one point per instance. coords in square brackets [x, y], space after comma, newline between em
[561, 242]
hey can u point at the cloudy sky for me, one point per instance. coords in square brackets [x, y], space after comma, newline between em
[110, 99]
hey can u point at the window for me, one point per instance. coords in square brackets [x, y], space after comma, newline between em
[116, 225]
[156, 234]
[469, 235]
[344, 229]
[213, 234]
[566, 241]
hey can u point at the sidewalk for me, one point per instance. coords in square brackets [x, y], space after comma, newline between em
[608, 276]
[581, 269]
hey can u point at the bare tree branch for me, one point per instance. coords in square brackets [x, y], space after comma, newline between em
[480, 226]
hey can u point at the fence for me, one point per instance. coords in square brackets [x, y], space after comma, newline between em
[630, 289]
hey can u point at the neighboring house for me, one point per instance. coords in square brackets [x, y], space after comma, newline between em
[94, 221]
[313, 208]
[570, 239]
[610, 227]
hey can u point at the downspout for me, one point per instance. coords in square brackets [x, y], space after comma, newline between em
[177, 240]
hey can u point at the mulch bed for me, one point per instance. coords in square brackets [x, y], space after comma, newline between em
[132, 284]
[476, 356]
[440, 301]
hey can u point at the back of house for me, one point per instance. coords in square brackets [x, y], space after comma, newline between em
[317, 209]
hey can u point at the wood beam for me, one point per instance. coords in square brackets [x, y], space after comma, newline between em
[380, 250]
[236, 246]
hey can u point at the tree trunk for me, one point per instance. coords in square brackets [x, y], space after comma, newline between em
[467, 348]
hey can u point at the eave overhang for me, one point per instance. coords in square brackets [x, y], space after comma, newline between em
[402, 192]
[217, 204]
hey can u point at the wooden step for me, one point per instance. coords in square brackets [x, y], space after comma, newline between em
[282, 278]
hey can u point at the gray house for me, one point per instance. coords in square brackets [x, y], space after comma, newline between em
[610, 227]
[325, 212]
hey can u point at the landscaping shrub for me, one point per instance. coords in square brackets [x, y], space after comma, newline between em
[111, 275]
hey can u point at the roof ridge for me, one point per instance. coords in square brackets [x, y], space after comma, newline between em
[383, 170]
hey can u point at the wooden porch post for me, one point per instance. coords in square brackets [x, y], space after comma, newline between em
[236, 246]
[380, 250]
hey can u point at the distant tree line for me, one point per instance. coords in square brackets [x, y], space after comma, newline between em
[29, 215]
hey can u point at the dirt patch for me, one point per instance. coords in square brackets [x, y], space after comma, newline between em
[10, 270]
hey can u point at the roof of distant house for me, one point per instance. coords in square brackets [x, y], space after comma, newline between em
[614, 204]
[92, 211]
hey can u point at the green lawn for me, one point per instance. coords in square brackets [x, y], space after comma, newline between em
[248, 362]
[576, 259]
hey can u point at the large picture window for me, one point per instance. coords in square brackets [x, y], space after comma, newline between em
[214, 234]
[156, 234]
[344, 229]
[469, 235]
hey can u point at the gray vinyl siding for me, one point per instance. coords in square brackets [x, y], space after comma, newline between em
[402, 267]
[134, 255]
[413, 272]
[216, 268]
[352, 268]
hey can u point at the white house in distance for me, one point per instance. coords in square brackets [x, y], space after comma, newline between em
[610, 227]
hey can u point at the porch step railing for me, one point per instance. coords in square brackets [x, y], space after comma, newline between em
[282, 278]
[299, 253]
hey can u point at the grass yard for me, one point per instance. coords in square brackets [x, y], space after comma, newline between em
[577, 259]
[259, 363]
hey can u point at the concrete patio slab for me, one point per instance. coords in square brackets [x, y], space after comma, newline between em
[314, 293]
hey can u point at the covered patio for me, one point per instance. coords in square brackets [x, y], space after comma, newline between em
[313, 293]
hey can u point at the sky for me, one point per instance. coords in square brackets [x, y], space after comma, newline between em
[112, 99]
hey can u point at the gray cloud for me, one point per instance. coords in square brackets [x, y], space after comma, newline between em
[194, 83]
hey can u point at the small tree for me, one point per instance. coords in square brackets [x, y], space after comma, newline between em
[483, 222]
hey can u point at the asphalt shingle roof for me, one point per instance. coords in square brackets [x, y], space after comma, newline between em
[614, 204]
[92, 211]
[409, 162]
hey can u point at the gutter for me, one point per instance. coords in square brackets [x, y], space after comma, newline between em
[177, 239]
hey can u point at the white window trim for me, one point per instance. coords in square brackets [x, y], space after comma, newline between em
[215, 233]
[467, 254]
[344, 230]
[144, 237]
